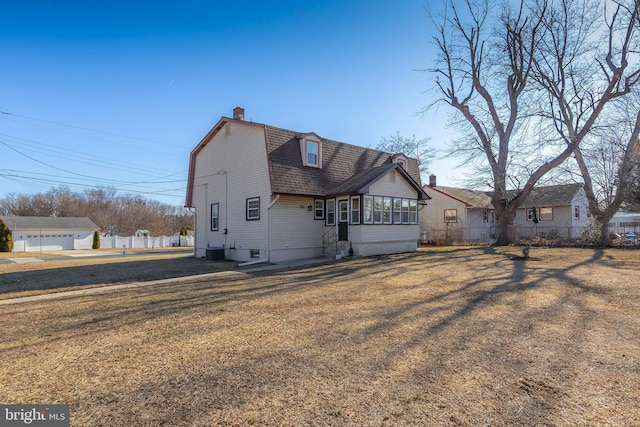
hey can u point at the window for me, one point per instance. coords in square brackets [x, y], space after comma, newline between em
[485, 216]
[576, 212]
[343, 207]
[546, 214]
[214, 217]
[401, 163]
[450, 215]
[312, 153]
[331, 212]
[377, 210]
[397, 211]
[405, 211]
[386, 210]
[532, 214]
[253, 209]
[254, 253]
[413, 211]
[318, 209]
[355, 210]
[368, 210]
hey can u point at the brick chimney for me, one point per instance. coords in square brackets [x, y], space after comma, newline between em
[432, 180]
[238, 113]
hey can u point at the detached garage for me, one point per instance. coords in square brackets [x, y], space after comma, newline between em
[35, 234]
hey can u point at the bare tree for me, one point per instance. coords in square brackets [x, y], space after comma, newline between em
[419, 149]
[498, 79]
[585, 88]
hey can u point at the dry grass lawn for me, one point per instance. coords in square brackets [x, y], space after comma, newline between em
[458, 337]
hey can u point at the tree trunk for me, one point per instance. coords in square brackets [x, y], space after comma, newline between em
[506, 229]
[603, 229]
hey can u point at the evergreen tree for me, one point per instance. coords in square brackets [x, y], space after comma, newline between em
[6, 239]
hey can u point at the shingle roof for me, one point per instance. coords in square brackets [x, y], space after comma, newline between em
[552, 195]
[473, 198]
[58, 223]
[345, 167]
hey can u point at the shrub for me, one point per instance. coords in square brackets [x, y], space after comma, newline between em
[96, 240]
[6, 239]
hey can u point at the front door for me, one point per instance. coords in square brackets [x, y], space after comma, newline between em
[343, 220]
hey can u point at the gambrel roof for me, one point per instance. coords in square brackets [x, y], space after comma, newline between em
[345, 169]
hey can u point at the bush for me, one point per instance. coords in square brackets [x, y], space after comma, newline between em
[96, 240]
[6, 239]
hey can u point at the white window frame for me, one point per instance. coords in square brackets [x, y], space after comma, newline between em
[413, 211]
[397, 211]
[576, 212]
[387, 210]
[318, 209]
[215, 216]
[355, 204]
[377, 209]
[367, 209]
[253, 212]
[330, 217]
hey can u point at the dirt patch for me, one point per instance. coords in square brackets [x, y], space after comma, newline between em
[449, 337]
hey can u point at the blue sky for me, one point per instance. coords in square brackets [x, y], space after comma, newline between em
[118, 94]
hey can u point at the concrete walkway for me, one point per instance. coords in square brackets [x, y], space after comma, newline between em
[112, 288]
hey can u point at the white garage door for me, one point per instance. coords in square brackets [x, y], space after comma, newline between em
[49, 242]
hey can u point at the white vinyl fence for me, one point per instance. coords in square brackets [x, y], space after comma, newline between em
[108, 242]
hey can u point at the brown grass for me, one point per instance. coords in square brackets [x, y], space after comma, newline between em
[450, 337]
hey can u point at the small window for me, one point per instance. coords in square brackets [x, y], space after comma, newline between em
[413, 211]
[214, 216]
[531, 214]
[405, 211]
[546, 214]
[397, 211]
[401, 163]
[576, 212]
[254, 253]
[343, 206]
[355, 210]
[331, 212]
[450, 215]
[386, 210]
[312, 153]
[485, 216]
[253, 209]
[368, 210]
[318, 209]
[377, 210]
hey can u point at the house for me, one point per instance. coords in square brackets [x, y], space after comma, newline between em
[562, 211]
[35, 234]
[457, 215]
[262, 192]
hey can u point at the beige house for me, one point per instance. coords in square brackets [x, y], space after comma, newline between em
[266, 193]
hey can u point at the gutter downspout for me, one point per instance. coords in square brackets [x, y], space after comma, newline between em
[273, 202]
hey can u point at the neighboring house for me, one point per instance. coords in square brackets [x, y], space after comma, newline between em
[456, 215]
[35, 234]
[562, 212]
[261, 192]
